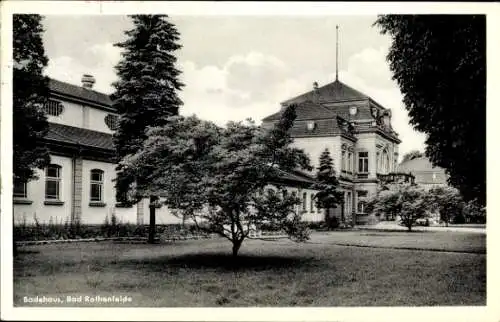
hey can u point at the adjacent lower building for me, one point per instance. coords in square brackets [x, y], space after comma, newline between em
[425, 174]
[78, 185]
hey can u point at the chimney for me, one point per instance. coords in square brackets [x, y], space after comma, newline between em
[88, 81]
[315, 92]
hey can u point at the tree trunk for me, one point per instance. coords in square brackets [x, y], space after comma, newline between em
[14, 250]
[152, 220]
[236, 247]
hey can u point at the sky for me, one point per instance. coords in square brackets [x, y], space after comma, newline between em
[239, 67]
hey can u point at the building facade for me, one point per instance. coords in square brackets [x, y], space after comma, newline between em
[79, 185]
[358, 133]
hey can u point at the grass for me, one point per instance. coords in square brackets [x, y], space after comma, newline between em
[321, 272]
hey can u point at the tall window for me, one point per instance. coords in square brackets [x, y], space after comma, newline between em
[362, 207]
[52, 182]
[363, 162]
[304, 201]
[311, 207]
[96, 182]
[387, 163]
[378, 162]
[344, 168]
[349, 162]
[20, 189]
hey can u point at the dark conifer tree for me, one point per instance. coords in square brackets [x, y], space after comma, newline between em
[328, 195]
[145, 94]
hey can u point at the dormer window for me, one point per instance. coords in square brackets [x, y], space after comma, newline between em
[111, 121]
[311, 125]
[53, 107]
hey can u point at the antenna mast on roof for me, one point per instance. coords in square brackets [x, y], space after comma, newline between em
[337, 54]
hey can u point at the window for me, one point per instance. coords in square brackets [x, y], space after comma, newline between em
[349, 162]
[53, 107]
[52, 182]
[20, 189]
[363, 162]
[362, 193]
[362, 207]
[384, 162]
[111, 121]
[378, 162]
[387, 163]
[96, 182]
[311, 206]
[344, 168]
[304, 201]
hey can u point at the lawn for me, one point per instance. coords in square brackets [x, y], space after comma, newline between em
[322, 272]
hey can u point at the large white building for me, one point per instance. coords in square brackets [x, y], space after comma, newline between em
[79, 182]
[358, 133]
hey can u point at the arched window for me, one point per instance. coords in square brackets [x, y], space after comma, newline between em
[53, 107]
[344, 168]
[96, 183]
[53, 182]
[111, 121]
[349, 162]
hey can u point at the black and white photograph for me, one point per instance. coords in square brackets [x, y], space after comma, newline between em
[164, 159]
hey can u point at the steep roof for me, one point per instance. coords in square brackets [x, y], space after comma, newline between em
[80, 93]
[331, 92]
[83, 137]
[306, 111]
[416, 165]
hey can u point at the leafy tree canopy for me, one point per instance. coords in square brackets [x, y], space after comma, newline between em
[439, 62]
[220, 176]
[30, 94]
[414, 154]
[404, 200]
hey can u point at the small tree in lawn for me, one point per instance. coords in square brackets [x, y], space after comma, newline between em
[385, 203]
[328, 195]
[446, 200]
[219, 177]
[407, 201]
[30, 94]
[413, 205]
[145, 95]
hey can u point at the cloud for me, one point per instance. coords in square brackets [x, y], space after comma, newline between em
[252, 85]
[246, 86]
[98, 60]
[371, 66]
